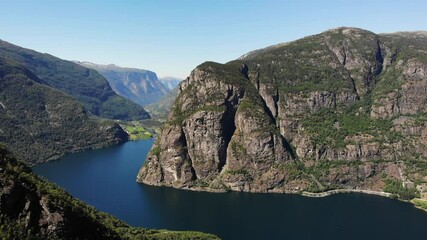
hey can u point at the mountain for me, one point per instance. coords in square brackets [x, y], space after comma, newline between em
[160, 109]
[346, 108]
[170, 82]
[32, 208]
[38, 122]
[86, 85]
[140, 86]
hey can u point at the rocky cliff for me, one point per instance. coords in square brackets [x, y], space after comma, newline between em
[342, 109]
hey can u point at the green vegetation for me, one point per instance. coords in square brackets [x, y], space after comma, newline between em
[301, 66]
[38, 122]
[156, 151]
[77, 220]
[136, 131]
[420, 118]
[420, 203]
[322, 168]
[328, 127]
[390, 81]
[116, 107]
[201, 184]
[238, 148]
[320, 91]
[417, 168]
[294, 171]
[228, 73]
[85, 85]
[243, 172]
[396, 187]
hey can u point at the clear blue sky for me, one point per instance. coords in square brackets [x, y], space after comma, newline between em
[172, 37]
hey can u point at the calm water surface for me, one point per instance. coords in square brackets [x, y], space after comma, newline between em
[105, 178]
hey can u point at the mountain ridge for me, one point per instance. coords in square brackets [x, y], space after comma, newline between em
[331, 110]
[86, 85]
[138, 85]
[40, 123]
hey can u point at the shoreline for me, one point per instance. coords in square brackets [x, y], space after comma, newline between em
[337, 191]
[301, 193]
[413, 201]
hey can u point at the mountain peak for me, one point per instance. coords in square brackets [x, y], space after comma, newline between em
[109, 66]
[345, 29]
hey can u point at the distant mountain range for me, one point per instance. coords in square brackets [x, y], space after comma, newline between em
[138, 85]
[160, 109]
[85, 85]
[170, 82]
[50, 106]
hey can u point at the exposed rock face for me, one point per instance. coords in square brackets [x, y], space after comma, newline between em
[411, 98]
[345, 108]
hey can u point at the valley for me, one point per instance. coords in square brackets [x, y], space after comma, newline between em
[340, 114]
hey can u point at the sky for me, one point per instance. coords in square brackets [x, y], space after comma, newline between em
[173, 37]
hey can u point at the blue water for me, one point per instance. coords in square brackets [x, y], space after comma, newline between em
[105, 178]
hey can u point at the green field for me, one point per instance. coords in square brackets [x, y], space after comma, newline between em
[136, 132]
[420, 203]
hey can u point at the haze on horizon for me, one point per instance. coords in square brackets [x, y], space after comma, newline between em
[172, 37]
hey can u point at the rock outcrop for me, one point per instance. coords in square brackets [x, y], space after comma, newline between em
[342, 109]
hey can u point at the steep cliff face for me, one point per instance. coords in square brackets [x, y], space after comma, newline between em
[344, 108]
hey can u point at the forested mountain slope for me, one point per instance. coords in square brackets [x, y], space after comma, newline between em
[32, 208]
[38, 122]
[86, 85]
